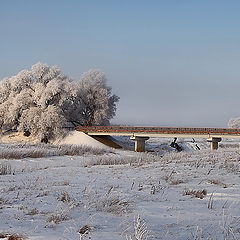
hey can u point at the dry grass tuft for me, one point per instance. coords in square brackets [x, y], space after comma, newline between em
[5, 168]
[114, 205]
[217, 182]
[195, 193]
[57, 218]
[15, 237]
[65, 197]
[11, 237]
[32, 212]
[176, 182]
[140, 230]
[43, 194]
[110, 203]
[84, 230]
[231, 166]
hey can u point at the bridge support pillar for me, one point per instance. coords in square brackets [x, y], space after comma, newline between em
[214, 142]
[139, 143]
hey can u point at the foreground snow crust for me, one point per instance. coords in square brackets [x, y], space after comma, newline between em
[53, 197]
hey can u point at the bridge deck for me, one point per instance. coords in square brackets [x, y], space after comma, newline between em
[160, 131]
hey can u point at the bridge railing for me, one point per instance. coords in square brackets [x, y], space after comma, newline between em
[159, 130]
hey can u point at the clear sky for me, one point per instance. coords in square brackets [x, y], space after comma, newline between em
[172, 62]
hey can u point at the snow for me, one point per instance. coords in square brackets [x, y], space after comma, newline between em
[80, 138]
[17, 137]
[73, 137]
[52, 198]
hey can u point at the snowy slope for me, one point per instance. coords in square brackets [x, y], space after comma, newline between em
[80, 138]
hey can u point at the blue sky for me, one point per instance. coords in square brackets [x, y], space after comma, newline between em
[173, 63]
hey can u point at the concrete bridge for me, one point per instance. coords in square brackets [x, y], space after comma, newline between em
[141, 134]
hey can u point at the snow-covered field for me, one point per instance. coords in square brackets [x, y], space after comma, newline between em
[186, 195]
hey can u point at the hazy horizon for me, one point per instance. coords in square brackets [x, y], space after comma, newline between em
[172, 63]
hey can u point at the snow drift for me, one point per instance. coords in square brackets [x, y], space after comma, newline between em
[80, 138]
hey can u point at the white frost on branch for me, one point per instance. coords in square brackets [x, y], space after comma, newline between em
[98, 105]
[42, 100]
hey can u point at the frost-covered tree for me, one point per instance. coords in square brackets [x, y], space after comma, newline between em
[98, 106]
[14, 98]
[234, 123]
[42, 100]
[30, 96]
[44, 123]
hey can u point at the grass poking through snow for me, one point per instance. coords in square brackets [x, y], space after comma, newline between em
[20, 151]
